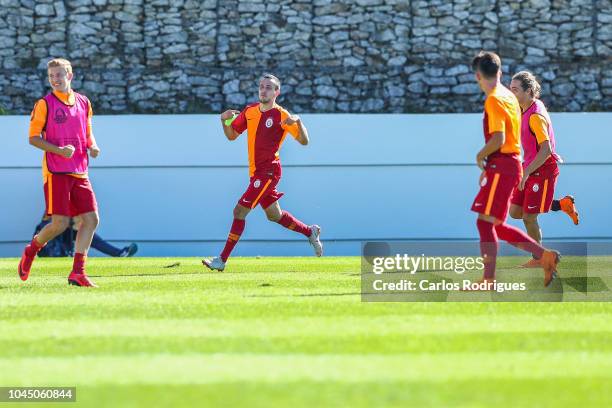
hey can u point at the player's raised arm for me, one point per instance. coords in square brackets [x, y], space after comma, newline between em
[296, 122]
[268, 125]
[226, 117]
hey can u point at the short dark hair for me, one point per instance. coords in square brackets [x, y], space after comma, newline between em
[487, 63]
[272, 78]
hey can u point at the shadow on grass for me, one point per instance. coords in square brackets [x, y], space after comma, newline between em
[146, 274]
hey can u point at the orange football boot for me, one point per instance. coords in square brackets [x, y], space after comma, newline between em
[532, 263]
[550, 260]
[568, 207]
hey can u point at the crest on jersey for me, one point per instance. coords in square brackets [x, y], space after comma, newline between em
[269, 123]
[60, 116]
[257, 183]
[535, 188]
[483, 182]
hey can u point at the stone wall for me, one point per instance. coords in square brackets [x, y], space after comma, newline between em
[181, 56]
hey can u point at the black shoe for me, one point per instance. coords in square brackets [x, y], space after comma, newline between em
[129, 250]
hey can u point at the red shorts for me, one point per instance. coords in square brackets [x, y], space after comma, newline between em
[68, 195]
[262, 191]
[537, 196]
[495, 192]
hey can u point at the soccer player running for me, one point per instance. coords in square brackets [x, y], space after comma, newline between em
[499, 161]
[534, 194]
[61, 126]
[267, 125]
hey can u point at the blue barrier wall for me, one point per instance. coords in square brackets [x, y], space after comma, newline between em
[169, 182]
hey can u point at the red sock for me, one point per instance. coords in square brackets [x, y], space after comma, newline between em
[289, 221]
[33, 247]
[78, 266]
[235, 232]
[488, 247]
[519, 239]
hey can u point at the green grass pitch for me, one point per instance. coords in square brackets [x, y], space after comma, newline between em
[289, 332]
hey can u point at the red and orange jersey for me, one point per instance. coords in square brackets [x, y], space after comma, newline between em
[38, 121]
[503, 114]
[265, 133]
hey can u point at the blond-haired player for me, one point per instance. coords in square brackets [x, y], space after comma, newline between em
[61, 126]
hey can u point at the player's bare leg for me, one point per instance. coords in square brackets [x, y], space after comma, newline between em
[88, 224]
[58, 224]
[217, 263]
[530, 221]
[274, 212]
[284, 218]
[516, 211]
[241, 212]
[534, 231]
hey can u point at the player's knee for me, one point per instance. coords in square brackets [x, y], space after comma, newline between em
[94, 220]
[77, 224]
[516, 213]
[274, 216]
[530, 219]
[60, 225]
[90, 221]
[240, 212]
